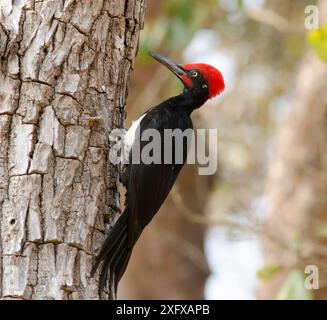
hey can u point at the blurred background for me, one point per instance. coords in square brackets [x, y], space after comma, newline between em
[258, 228]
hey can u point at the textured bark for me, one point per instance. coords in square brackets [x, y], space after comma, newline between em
[297, 183]
[63, 63]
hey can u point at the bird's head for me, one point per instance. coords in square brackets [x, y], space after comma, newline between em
[200, 79]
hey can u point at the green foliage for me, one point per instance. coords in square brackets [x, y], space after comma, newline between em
[294, 289]
[240, 4]
[318, 41]
[321, 231]
[175, 27]
[267, 272]
[297, 242]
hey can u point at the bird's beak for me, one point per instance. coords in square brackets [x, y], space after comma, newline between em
[175, 68]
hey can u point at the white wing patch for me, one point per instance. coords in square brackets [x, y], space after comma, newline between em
[130, 134]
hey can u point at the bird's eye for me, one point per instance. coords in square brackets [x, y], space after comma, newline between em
[194, 74]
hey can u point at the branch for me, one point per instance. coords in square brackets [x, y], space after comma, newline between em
[273, 19]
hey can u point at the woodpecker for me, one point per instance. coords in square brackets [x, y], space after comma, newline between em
[148, 185]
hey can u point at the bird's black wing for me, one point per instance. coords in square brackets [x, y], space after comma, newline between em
[148, 187]
[149, 184]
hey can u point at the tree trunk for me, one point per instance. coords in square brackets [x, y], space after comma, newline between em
[297, 182]
[63, 63]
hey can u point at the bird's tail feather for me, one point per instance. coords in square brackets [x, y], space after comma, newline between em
[114, 255]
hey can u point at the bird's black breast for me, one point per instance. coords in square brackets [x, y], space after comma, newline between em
[149, 184]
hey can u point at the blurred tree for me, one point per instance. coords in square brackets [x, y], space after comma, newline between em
[63, 64]
[168, 260]
[297, 187]
[263, 41]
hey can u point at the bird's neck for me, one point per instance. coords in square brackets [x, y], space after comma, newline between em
[186, 102]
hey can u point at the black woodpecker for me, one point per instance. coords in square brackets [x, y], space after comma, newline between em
[148, 185]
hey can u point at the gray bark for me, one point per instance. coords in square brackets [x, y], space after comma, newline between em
[63, 63]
